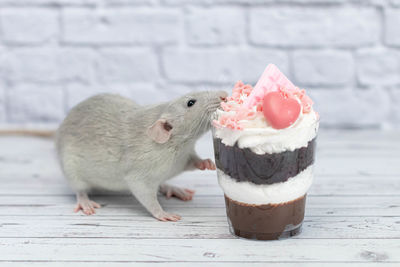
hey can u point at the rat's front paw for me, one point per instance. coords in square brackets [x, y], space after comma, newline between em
[206, 164]
[165, 217]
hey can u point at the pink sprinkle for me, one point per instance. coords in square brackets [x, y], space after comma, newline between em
[305, 100]
[226, 106]
[245, 114]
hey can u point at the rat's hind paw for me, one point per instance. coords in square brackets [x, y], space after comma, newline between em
[206, 164]
[165, 217]
[87, 206]
[173, 191]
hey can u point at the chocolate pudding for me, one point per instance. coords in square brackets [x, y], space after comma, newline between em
[265, 222]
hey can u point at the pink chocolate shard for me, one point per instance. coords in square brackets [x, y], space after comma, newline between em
[270, 80]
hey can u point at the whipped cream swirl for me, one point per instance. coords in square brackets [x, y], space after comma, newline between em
[261, 138]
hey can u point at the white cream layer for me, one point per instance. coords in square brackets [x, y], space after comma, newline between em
[250, 193]
[262, 138]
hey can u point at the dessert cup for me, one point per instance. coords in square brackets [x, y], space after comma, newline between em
[265, 192]
[264, 144]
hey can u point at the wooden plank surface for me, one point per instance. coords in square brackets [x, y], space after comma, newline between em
[191, 227]
[200, 250]
[200, 205]
[352, 216]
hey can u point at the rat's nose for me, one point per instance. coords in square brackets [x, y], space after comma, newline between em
[223, 95]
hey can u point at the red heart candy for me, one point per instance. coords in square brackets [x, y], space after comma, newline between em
[280, 111]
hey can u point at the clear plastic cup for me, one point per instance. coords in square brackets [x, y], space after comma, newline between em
[244, 167]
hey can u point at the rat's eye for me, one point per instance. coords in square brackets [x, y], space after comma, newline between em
[191, 102]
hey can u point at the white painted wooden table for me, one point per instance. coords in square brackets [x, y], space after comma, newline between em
[352, 215]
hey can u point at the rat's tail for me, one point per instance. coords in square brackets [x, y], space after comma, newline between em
[26, 132]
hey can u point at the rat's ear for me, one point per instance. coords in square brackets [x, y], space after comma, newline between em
[160, 131]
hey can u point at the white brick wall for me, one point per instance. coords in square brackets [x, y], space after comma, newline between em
[378, 66]
[121, 26]
[392, 29]
[126, 65]
[55, 53]
[394, 116]
[31, 102]
[49, 65]
[313, 68]
[2, 103]
[216, 26]
[28, 25]
[314, 26]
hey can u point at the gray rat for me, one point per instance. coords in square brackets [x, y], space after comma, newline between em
[110, 142]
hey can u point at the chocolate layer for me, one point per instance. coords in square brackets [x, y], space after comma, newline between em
[265, 222]
[245, 165]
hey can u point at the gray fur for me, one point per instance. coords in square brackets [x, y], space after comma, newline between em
[102, 143]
